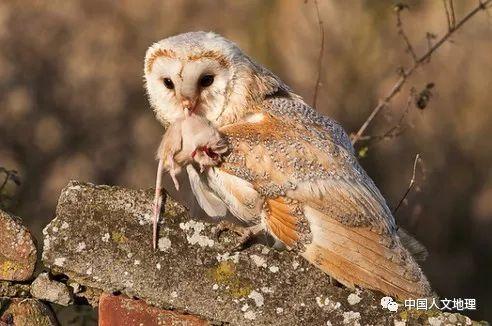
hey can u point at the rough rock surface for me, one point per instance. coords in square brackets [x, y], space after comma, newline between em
[17, 249]
[44, 288]
[25, 312]
[14, 290]
[101, 238]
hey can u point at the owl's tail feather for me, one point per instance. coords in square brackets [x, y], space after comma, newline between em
[362, 257]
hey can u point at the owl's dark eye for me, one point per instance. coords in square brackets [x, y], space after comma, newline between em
[206, 80]
[168, 83]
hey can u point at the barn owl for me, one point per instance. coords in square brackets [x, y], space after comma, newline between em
[290, 171]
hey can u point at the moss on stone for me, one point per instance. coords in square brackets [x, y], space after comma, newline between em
[9, 266]
[225, 275]
[415, 313]
[119, 237]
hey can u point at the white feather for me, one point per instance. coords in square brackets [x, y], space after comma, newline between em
[208, 201]
[228, 187]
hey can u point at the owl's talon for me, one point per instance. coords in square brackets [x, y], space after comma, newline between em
[226, 226]
[246, 234]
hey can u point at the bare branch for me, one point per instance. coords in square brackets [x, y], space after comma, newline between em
[453, 17]
[4, 183]
[448, 16]
[401, 31]
[405, 74]
[397, 129]
[320, 56]
[382, 103]
[429, 36]
[410, 185]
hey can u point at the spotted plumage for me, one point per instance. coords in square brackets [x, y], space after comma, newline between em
[290, 170]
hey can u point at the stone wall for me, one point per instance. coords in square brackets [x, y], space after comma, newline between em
[98, 251]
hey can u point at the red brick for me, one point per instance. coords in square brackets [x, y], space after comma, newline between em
[121, 310]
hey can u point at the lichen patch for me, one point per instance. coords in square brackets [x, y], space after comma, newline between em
[353, 298]
[258, 260]
[60, 261]
[351, 318]
[328, 304]
[80, 247]
[196, 237]
[227, 256]
[257, 297]
[164, 244]
[105, 237]
[250, 315]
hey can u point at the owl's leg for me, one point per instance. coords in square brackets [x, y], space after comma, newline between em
[173, 171]
[158, 198]
[246, 233]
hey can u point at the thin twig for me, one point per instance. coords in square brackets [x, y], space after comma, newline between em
[405, 74]
[410, 185]
[448, 16]
[4, 183]
[453, 17]
[401, 31]
[382, 103]
[320, 56]
[429, 36]
[397, 129]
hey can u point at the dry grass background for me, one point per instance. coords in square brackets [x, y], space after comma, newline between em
[72, 105]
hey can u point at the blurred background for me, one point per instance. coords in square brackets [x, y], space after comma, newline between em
[72, 105]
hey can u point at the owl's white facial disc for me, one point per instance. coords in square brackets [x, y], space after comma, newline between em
[198, 83]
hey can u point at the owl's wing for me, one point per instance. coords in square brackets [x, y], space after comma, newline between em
[208, 201]
[313, 196]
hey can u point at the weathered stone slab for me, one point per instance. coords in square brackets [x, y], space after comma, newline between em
[17, 249]
[101, 237]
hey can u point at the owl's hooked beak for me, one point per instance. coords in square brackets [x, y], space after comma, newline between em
[188, 106]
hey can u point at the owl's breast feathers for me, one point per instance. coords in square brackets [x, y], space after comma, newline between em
[296, 171]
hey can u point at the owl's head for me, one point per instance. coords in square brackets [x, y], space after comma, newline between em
[205, 73]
